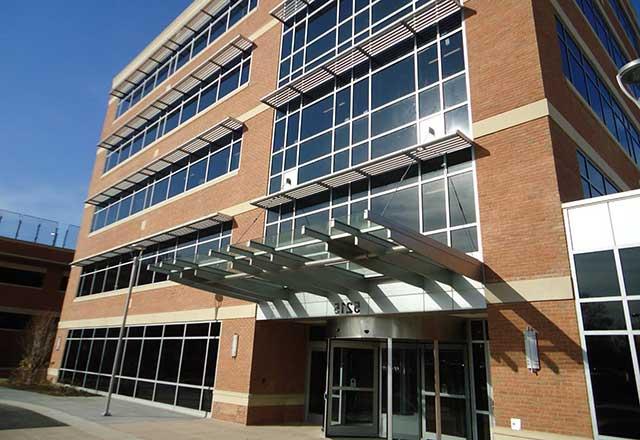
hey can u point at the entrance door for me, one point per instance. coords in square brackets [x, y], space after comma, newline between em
[445, 393]
[353, 391]
[317, 381]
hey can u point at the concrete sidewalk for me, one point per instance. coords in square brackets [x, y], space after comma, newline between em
[130, 421]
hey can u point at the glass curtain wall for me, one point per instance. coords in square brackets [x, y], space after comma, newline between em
[173, 364]
[608, 286]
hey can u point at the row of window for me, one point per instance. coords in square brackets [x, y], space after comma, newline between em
[374, 110]
[602, 30]
[174, 364]
[625, 22]
[325, 29]
[608, 285]
[218, 85]
[594, 182]
[435, 197]
[21, 277]
[218, 24]
[592, 88]
[115, 273]
[204, 165]
[605, 34]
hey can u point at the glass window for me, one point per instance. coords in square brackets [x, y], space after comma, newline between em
[400, 207]
[317, 117]
[218, 164]
[177, 183]
[455, 91]
[607, 315]
[465, 240]
[429, 101]
[318, 146]
[169, 360]
[395, 141]
[394, 115]
[596, 274]
[428, 66]
[160, 191]
[630, 259]
[229, 83]
[457, 119]
[321, 22]
[197, 173]
[613, 384]
[392, 82]
[434, 211]
[452, 54]
[461, 199]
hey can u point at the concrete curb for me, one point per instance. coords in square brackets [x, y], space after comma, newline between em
[91, 428]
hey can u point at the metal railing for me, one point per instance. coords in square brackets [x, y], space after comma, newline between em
[37, 230]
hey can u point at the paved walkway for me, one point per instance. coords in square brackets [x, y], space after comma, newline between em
[130, 421]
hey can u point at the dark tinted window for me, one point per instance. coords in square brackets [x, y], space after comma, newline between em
[596, 274]
[630, 259]
[614, 387]
[21, 277]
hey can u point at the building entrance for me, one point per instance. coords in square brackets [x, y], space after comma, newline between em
[423, 383]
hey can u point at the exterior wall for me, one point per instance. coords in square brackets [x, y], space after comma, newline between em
[555, 399]
[568, 102]
[528, 122]
[25, 300]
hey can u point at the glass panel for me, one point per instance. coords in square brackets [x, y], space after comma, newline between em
[193, 361]
[596, 274]
[169, 360]
[630, 259]
[461, 199]
[434, 210]
[400, 207]
[149, 362]
[454, 416]
[406, 402]
[603, 316]
[613, 384]
[189, 397]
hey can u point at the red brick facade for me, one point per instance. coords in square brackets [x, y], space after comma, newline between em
[524, 172]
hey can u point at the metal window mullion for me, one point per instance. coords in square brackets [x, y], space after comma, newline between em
[175, 397]
[155, 379]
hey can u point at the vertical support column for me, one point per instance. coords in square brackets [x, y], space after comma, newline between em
[389, 388]
[436, 387]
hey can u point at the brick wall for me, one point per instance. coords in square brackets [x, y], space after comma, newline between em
[554, 399]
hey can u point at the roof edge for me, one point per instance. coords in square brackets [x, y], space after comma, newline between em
[185, 16]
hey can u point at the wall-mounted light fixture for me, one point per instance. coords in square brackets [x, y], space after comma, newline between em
[234, 345]
[531, 350]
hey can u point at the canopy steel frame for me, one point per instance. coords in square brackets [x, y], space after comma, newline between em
[259, 272]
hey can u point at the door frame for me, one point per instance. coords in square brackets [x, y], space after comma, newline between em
[318, 346]
[436, 346]
[360, 430]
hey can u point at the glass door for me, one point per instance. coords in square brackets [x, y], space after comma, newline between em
[316, 383]
[445, 393]
[353, 396]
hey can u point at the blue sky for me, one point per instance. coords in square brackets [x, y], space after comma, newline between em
[58, 60]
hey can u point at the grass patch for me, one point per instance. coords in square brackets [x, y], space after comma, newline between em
[47, 388]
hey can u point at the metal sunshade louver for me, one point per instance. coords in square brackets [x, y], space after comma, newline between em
[223, 128]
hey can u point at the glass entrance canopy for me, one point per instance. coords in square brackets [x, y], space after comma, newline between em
[345, 255]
